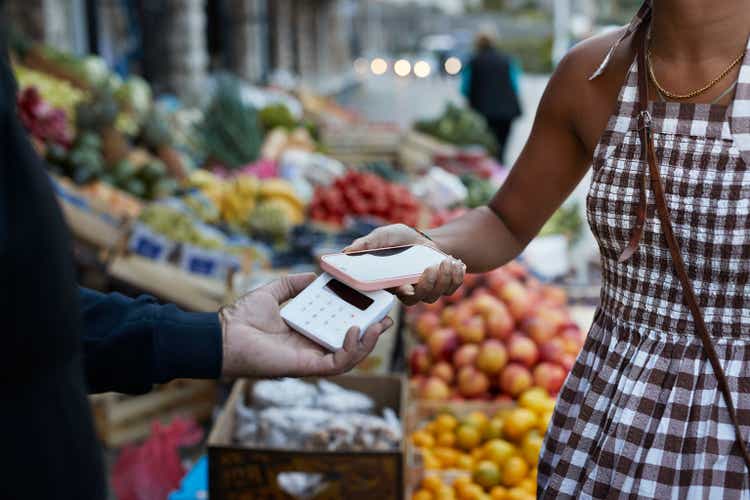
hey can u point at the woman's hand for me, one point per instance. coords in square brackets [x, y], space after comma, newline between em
[435, 281]
[258, 343]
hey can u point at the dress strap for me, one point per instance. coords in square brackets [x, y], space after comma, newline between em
[643, 13]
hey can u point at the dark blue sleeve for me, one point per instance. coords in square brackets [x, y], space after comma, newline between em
[131, 344]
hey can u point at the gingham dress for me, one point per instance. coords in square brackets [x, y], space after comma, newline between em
[640, 415]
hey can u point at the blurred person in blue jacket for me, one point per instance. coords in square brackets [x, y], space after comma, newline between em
[61, 342]
[490, 84]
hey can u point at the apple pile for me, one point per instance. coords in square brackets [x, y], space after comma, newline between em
[501, 333]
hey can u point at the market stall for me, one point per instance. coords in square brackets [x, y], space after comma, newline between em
[197, 206]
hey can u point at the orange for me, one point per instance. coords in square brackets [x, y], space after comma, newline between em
[530, 447]
[487, 474]
[446, 438]
[498, 451]
[544, 420]
[462, 485]
[471, 492]
[446, 456]
[422, 439]
[431, 427]
[518, 422]
[467, 437]
[519, 494]
[432, 482]
[477, 419]
[535, 399]
[430, 461]
[529, 485]
[532, 475]
[421, 495]
[494, 429]
[499, 493]
[445, 493]
[464, 462]
[514, 471]
[445, 422]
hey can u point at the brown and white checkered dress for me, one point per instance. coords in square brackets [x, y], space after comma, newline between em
[641, 415]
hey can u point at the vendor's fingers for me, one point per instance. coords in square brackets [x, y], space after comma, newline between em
[442, 282]
[426, 284]
[458, 271]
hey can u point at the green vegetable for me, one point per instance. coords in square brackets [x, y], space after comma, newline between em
[230, 132]
[566, 221]
[480, 191]
[136, 187]
[123, 172]
[277, 115]
[153, 171]
[459, 126]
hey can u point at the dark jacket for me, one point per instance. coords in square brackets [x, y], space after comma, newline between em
[491, 92]
[60, 342]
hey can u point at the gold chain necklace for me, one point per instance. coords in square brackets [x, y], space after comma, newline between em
[692, 93]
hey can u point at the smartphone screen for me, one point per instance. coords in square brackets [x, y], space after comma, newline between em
[388, 263]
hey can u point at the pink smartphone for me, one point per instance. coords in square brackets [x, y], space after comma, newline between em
[381, 268]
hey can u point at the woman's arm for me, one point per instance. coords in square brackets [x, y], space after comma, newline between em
[552, 163]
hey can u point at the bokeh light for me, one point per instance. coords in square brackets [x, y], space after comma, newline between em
[453, 65]
[402, 67]
[422, 69]
[379, 66]
[361, 65]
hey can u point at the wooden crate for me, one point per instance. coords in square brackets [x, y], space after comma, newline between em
[121, 419]
[237, 472]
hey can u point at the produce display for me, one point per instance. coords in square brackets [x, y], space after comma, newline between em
[459, 126]
[58, 93]
[494, 454]
[360, 194]
[498, 335]
[480, 191]
[289, 413]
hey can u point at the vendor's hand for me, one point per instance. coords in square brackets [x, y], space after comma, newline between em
[258, 343]
[435, 281]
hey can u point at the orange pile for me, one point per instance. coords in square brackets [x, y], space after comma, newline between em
[499, 453]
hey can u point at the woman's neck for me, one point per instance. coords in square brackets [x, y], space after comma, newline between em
[699, 30]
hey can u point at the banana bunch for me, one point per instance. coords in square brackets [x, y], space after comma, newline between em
[239, 198]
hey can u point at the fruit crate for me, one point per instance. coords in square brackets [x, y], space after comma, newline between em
[421, 412]
[239, 472]
[121, 419]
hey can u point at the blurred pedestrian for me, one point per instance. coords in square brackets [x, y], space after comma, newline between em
[490, 83]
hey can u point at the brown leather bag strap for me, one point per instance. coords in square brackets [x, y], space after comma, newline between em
[647, 153]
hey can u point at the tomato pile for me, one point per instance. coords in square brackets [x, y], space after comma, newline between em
[364, 194]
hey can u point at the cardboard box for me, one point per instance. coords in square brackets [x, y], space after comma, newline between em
[238, 473]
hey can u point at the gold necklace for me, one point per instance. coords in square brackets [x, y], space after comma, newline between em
[692, 93]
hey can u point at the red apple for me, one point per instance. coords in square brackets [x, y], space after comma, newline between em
[442, 344]
[471, 280]
[514, 379]
[471, 330]
[497, 279]
[523, 350]
[471, 382]
[456, 397]
[466, 355]
[419, 360]
[484, 303]
[503, 398]
[434, 389]
[516, 270]
[539, 328]
[572, 341]
[567, 361]
[415, 384]
[492, 357]
[499, 323]
[444, 371]
[552, 349]
[554, 295]
[549, 376]
[516, 298]
[447, 317]
[426, 323]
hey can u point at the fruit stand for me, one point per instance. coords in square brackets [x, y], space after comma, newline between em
[197, 206]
